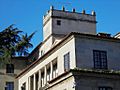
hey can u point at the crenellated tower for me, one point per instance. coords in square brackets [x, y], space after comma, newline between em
[57, 23]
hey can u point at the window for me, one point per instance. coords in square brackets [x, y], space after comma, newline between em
[55, 70]
[42, 78]
[9, 68]
[67, 61]
[58, 22]
[42, 52]
[100, 59]
[23, 86]
[48, 74]
[105, 88]
[31, 82]
[9, 86]
[33, 59]
[36, 80]
[54, 65]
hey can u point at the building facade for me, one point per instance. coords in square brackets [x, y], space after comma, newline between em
[73, 56]
[8, 73]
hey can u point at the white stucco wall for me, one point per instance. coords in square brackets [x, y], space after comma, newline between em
[47, 29]
[46, 46]
[59, 53]
[67, 84]
[67, 26]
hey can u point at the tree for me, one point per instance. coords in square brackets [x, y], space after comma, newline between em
[24, 44]
[14, 43]
[10, 36]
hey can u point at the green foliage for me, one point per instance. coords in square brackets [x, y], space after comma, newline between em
[14, 43]
[24, 44]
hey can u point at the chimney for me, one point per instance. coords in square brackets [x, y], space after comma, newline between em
[63, 8]
[93, 13]
[73, 10]
[83, 12]
[51, 7]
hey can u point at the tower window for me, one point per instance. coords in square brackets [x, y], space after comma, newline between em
[58, 22]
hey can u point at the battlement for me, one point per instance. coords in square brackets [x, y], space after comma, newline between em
[64, 22]
[73, 15]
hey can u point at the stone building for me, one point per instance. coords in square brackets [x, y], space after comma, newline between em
[8, 72]
[72, 55]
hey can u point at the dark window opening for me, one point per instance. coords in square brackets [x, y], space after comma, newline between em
[48, 74]
[23, 86]
[37, 80]
[33, 59]
[58, 22]
[31, 82]
[55, 70]
[67, 62]
[42, 78]
[9, 68]
[9, 86]
[105, 88]
[100, 59]
[42, 52]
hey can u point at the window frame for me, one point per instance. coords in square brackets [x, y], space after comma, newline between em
[100, 59]
[9, 68]
[42, 78]
[31, 82]
[67, 61]
[105, 88]
[9, 86]
[58, 22]
[55, 69]
[23, 87]
[48, 73]
[41, 52]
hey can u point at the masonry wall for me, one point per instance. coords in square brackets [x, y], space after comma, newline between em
[68, 25]
[19, 65]
[73, 22]
[84, 51]
[47, 29]
[94, 81]
[69, 22]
